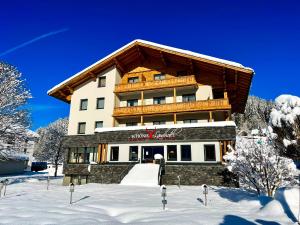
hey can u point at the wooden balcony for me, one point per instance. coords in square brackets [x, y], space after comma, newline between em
[157, 84]
[207, 105]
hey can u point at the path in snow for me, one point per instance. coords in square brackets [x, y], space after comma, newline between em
[142, 175]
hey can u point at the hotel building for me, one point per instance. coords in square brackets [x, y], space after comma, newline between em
[146, 99]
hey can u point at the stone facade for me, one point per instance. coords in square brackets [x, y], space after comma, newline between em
[198, 174]
[107, 173]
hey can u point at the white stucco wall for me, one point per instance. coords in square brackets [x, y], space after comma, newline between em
[90, 90]
[197, 149]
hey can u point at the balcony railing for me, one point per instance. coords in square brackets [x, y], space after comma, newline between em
[206, 105]
[157, 84]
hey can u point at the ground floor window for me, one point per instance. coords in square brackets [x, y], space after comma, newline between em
[209, 153]
[172, 152]
[133, 153]
[114, 153]
[186, 153]
[82, 155]
[79, 179]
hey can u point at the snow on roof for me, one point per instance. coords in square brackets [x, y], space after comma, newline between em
[187, 52]
[13, 155]
[184, 125]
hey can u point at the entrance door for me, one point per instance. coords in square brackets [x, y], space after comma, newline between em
[150, 151]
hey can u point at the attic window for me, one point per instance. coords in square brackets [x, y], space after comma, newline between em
[132, 80]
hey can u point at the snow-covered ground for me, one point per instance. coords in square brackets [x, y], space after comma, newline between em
[29, 202]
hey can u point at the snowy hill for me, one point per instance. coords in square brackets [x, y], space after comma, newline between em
[142, 175]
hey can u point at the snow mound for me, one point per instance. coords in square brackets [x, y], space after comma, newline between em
[289, 198]
[273, 208]
[142, 175]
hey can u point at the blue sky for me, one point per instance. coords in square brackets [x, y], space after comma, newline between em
[51, 40]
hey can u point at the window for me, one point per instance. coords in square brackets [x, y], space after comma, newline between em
[133, 153]
[82, 155]
[72, 155]
[172, 152]
[81, 128]
[159, 122]
[100, 103]
[102, 82]
[159, 100]
[190, 121]
[98, 124]
[209, 153]
[114, 153]
[160, 76]
[83, 104]
[132, 102]
[90, 155]
[132, 80]
[79, 179]
[188, 98]
[130, 124]
[186, 154]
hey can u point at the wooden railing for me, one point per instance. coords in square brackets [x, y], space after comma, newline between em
[206, 105]
[157, 84]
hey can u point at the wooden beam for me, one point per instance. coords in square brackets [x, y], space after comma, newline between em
[210, 116]
[175, 118]
[163, 59]
[62, 93]
[119, 65]
[99, 153]
[192, 67]
[141, 54]
[224, 79]
[71, 90]
[69, 97]
[93, 76]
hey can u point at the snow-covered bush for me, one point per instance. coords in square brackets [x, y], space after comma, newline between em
[257, 163]
[14, 119]
[285, 121]
[49, 145]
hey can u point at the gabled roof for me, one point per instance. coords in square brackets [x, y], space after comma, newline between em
[127, 54]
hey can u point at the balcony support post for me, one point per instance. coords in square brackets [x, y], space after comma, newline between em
[225, 95]
[175, 118]
[210, 116]
[174, 95]
[142, 97]
[142, 120]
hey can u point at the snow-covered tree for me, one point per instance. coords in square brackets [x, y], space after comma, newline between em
[256, 115]
[49, 146]
[285, 121]
[14, 119]
[258, 164]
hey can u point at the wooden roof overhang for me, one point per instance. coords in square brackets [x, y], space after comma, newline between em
[234, 79]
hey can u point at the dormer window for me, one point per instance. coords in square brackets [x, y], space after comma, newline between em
[160, 76]
[133, 80]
